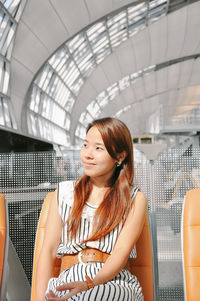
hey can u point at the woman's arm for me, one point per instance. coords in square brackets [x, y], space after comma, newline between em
[125, 242]
[47, 255]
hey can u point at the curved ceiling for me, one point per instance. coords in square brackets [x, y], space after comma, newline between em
[40, 33]
[160, 64]
[56, 89]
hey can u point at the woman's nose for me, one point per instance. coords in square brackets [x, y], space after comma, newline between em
[89, 153]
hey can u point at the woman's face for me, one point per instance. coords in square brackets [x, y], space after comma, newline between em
[96, 160]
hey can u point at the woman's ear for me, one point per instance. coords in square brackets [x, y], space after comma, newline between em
[121, 156]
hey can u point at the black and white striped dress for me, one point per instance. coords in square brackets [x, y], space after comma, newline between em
[124, 287]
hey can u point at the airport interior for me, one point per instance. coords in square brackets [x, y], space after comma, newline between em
[65, 63]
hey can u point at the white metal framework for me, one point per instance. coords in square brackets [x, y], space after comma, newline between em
[10, 13]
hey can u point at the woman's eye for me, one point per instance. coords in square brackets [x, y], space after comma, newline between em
[99, 148]
[84, 145]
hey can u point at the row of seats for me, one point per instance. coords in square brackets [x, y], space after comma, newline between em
[140, 266]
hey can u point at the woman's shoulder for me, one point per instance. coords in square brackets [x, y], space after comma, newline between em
[140, 199]
[136, 193]
[133, 191]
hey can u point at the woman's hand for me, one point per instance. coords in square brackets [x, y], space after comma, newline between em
[73, 287]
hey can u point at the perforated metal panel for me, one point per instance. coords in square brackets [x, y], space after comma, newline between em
[25, 178]
[176, 172]
[168, 178]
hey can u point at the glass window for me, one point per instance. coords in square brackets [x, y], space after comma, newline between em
[93, 108]
[157, 8]
[102, 99]
[6, 113]
[6, 79]
[85, 118]
[113, 91]
[122, 111]
[32, 124]
[137, 17]
[10, 13]
[67, 122]
[80, 131]
[124, 83]
[96, 106]
[117, 28]
[2, 121]
[97, 33]
[35, 99]
[58, 58]
[75, 42]
[51, 132]
[1, 73]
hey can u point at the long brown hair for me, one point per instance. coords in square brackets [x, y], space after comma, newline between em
[116, 202]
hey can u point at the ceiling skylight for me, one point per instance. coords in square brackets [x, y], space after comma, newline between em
[95, 108]
[63, 75]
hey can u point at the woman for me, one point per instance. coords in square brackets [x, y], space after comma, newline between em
[96, 220]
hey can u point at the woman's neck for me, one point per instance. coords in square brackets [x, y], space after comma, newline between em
[97, 194]
[100, 183]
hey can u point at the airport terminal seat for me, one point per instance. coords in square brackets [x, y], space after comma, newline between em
[2, 233]
[140, 266]
[191, 245]
[39, 241]
[3, 244]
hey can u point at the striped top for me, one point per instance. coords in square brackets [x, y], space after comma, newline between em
[65, 203]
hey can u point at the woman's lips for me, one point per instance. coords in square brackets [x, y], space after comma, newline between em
[88, 164]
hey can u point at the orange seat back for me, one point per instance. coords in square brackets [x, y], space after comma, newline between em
[2, 233]
[191, 244]
[140, 266]
[39, 242]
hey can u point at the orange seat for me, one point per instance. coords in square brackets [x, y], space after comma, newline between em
[2, 232]
[140, 266]
[39, 241]
[191, 244]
